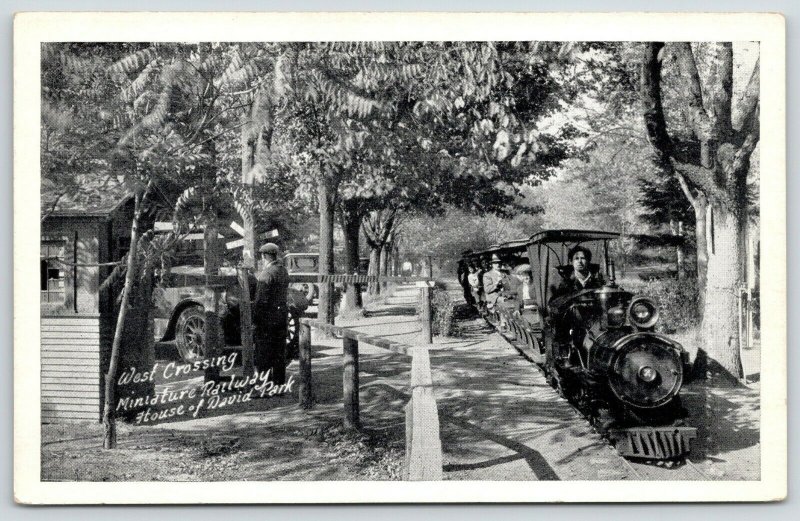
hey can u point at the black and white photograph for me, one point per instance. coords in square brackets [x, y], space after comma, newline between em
[402, 258]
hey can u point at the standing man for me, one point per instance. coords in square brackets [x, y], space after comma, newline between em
[474, 284]
[462, 272]
[270, 314]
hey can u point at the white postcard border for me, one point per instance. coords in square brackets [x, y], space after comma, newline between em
[30, 29]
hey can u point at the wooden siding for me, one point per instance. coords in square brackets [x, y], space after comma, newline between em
[71, 372]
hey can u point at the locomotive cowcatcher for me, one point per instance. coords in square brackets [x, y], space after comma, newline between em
[598, 347]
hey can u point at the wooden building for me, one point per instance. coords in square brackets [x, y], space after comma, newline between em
[79, 233]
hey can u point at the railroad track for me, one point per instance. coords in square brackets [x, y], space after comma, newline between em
[680, 470]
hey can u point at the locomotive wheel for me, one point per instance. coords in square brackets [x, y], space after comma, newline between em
[537, 353]
[190, 334]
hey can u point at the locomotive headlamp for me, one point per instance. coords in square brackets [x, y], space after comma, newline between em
[647, 374]
[643, 312]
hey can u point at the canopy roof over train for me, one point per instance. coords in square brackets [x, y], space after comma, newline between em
[501, 248]
[546, 236]
[570, 236]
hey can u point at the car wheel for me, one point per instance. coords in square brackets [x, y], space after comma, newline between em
[190, 333]
[292, 337]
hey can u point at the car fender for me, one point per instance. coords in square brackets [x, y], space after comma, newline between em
[167, 325]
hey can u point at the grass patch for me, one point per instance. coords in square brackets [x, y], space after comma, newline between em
[369, 454]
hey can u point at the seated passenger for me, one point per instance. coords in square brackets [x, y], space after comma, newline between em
[526, 299]
[493, 283]
[507, 301]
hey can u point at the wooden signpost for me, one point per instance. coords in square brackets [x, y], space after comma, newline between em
[247, 242]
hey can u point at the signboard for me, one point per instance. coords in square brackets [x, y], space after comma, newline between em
[247, 244]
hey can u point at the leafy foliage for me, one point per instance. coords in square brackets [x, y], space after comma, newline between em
[678, 303]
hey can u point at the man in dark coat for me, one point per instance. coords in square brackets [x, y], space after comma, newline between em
[462, 272]
[581, 277]
[270, 314]
[570, 321]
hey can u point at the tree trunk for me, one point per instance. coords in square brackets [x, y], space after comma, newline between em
[701, 230]
[383, 259]
[214, 340]
[351, 225]
[724, 278]
[109, 419]
[680, 254]
[374, 288]
[325, 196]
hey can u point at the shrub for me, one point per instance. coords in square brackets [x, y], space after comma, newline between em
[678, 302]
[442, 307]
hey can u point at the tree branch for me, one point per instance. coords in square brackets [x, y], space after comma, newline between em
[687, 191]
[701, 122]
[742, 156]
[722, 85]
[652, 108]
[703, 179]
[747, 115]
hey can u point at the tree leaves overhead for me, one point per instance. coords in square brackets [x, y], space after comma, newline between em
[416, 125]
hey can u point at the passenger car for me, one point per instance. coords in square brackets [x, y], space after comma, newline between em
[179, 311]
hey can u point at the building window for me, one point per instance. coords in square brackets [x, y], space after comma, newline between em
[52, 271]
[123, 246]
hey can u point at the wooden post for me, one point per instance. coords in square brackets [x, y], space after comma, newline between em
[350, 383]
[306, 393]
[426, 316]
[423, 461]
[246, 323]
[679, 251]
[214, 338]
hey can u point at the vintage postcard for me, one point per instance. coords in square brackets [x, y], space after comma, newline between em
[399, 255]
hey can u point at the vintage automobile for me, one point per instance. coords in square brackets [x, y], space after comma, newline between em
[303, 270]
[180, 301]
[598, 346]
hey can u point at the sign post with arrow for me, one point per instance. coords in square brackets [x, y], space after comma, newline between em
[248, 243]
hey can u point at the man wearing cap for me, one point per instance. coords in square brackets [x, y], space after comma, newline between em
[493, 283]
[270, 314]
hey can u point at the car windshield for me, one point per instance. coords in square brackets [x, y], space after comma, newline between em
[305, 263]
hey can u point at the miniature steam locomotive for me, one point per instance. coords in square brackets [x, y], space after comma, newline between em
[597, 346]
